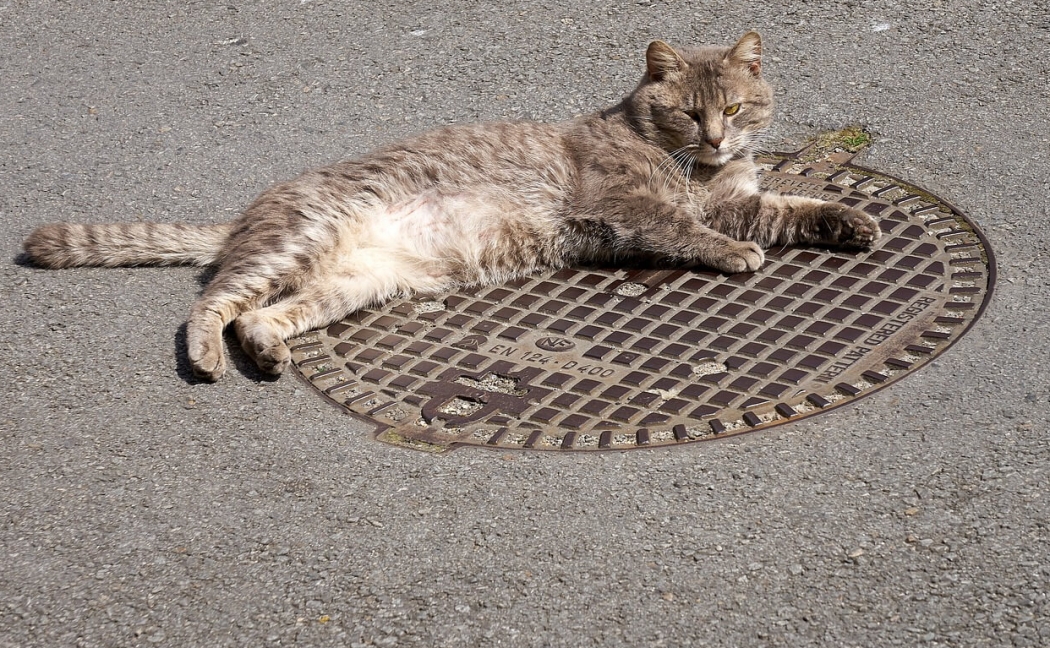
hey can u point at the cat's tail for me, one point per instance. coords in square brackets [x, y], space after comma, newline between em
[67, 245]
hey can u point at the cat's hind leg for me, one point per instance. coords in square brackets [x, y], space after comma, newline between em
[263, 332]
[237, 287]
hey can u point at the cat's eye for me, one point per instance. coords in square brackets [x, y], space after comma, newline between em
[731, 110]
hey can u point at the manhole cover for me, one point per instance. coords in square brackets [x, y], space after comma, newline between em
[590, 359]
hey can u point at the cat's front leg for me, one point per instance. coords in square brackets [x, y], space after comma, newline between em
[705, 247]
[770, 219]
[647, 225]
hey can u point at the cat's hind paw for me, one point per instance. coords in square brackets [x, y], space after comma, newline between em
[262, 344]
[208, 360]
[274, 360]
[204, 345]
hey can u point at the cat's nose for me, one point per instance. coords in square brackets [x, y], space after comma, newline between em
[715, 142]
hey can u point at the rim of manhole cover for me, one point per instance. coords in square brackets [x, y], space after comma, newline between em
[595, 359]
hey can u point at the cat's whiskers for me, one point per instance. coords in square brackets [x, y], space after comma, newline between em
[676, 178]
[655, 170]
[689, 175]
[658, 169]
[684, 160]
[666, 167]
[756, 142]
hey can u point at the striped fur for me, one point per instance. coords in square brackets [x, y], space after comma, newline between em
[68, 245]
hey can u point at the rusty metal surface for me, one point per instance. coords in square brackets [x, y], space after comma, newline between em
[593, 359]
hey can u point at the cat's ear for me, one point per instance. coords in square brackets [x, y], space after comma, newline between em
[747, 53]
[661, 61]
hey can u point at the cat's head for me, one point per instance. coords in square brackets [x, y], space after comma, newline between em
[710, 103]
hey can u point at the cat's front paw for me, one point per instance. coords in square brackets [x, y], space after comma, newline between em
[846, 227]
[739, 256]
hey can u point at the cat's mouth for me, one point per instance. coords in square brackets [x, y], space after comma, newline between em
[714, 157]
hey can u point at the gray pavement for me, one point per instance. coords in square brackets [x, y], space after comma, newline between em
[141, 508]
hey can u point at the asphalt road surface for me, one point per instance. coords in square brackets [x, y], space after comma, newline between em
[142, 508]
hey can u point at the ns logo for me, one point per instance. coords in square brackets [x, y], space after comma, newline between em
[555, 344]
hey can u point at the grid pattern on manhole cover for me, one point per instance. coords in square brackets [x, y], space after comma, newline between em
[590, 359]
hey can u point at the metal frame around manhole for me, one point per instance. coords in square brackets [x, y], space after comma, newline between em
[596, 359]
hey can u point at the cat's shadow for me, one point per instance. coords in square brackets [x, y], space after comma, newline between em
[205, 276]
[22, 260]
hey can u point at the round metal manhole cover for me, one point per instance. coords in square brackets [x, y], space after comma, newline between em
[592, 359]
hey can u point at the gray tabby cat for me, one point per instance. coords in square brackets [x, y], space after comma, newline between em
[667, 174]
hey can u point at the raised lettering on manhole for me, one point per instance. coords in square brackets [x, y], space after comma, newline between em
[609, 359]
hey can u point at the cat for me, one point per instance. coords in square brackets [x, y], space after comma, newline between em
[666, 175]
